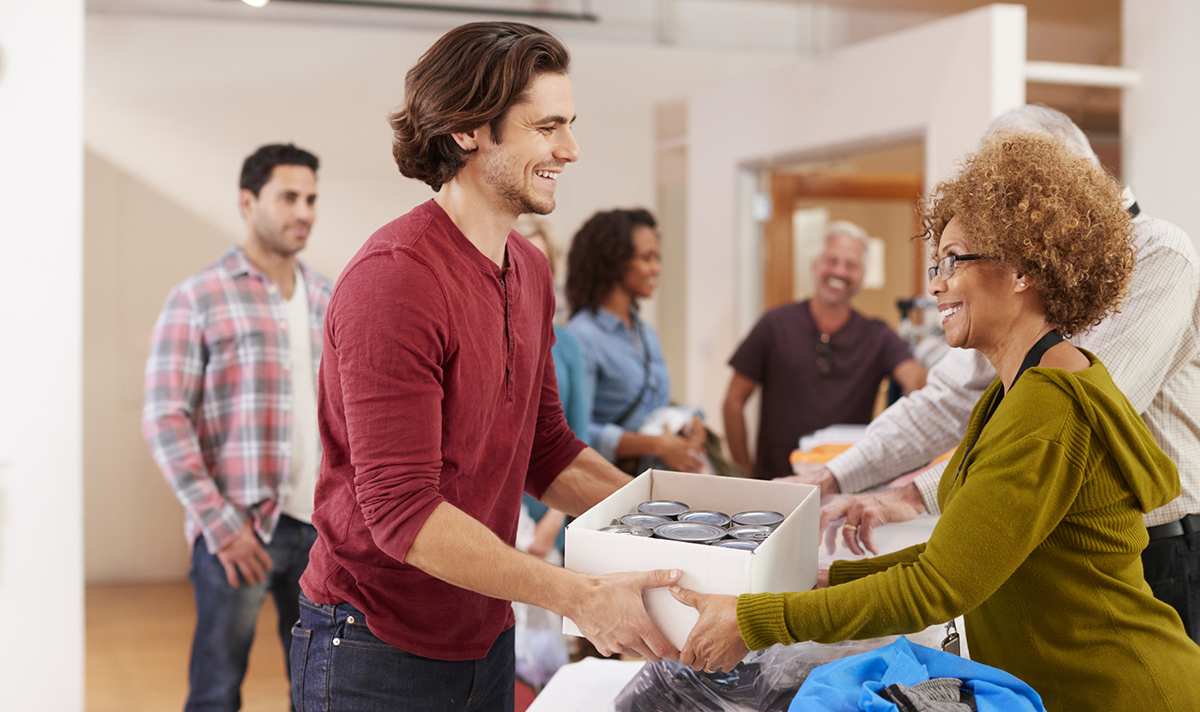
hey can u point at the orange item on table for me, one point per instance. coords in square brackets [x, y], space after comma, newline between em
[820, 453]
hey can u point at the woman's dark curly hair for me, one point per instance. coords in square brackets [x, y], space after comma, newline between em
[600, 254]
[1040, 209]
[468, 78]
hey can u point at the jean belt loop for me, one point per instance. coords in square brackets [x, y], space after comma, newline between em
[1189, 530]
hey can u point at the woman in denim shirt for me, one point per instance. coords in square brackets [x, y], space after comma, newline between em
[613, 262]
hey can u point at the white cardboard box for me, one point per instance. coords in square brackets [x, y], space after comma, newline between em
[785, 561]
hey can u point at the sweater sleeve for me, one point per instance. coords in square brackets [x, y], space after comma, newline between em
[1020, 482]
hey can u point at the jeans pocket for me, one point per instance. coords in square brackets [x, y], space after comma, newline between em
[298, 658]
[1164, 590]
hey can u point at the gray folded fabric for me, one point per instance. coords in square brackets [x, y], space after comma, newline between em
[941, 694]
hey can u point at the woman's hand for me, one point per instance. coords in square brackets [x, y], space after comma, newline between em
[545, 534]
[677, 452]
[714, 643]
[863, 512]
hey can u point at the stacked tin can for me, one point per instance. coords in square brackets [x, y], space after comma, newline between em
[668, 519]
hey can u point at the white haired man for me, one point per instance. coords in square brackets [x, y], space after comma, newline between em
[818, 361]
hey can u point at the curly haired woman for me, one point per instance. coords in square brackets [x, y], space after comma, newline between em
[1039, 541]
[613, 262]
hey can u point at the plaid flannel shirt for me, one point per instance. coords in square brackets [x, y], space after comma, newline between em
[218, 403]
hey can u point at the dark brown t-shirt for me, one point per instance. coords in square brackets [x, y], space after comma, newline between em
[780, 354]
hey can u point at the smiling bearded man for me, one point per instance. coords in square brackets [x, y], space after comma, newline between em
[819, 362]
[439, 406]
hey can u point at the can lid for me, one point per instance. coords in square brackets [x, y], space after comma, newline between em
[755, 532]
[628, 530]
[648, 521]
[690, 531]
[759, 516]
[743, 544]
[708, 516]
[663, 508]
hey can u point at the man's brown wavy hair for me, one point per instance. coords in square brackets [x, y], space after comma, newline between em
[1036, 207]
[470, 77]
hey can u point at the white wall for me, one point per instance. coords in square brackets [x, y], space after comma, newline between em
[943, 81]
[41, 199]
[1159, 115]
[174, 105]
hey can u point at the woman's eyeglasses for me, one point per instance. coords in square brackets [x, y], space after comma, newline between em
[945, 266]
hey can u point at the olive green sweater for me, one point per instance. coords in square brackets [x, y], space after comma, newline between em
[1038, 547]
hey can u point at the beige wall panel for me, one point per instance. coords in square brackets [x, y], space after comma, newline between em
[139, 243]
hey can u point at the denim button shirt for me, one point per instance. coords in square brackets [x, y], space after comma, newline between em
[616, 369]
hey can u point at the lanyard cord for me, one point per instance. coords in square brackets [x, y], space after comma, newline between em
[1033, 358]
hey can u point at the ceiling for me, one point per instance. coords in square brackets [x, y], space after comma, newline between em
[1090, 13]
[1084, 31]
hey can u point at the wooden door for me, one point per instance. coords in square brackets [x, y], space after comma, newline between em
[792, 190]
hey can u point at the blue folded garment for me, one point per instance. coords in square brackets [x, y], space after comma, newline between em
[854, 683]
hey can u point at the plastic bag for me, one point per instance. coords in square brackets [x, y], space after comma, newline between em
[541, 647]
[766, 681]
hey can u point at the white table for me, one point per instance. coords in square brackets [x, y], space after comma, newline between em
[589, 685]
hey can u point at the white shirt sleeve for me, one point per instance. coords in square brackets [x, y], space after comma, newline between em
[918, 427]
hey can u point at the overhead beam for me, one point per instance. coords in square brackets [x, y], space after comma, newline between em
[1089, 75]
[584, 16]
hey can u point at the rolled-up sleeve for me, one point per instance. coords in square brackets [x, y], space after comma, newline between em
[390, 345]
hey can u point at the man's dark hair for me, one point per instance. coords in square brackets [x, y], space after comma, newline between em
[600, 254]
[256, 170]
[468, 78]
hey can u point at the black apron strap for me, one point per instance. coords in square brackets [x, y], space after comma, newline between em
[1034, 357]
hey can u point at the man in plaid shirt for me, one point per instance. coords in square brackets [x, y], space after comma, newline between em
[230, 415]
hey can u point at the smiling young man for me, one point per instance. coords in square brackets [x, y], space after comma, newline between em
[818, 361]
[231, 416]
[439, 407]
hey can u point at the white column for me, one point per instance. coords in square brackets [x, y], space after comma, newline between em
[41, 318]
[1158, 115]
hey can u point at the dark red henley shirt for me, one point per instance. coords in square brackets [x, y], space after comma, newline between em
[436, 385]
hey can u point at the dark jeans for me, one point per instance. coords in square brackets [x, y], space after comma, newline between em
[226, 617]
[1172, 569]
[338, 665]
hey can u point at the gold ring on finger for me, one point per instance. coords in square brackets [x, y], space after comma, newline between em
[851, 527]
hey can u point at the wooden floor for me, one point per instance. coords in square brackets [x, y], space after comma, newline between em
[138, 641]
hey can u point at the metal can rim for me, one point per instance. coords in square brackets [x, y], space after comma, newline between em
[659, 502]
[776, 518]
[715, 533]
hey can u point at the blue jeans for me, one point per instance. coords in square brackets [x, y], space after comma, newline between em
[1172, 568]
[226, 617]
[338, 665]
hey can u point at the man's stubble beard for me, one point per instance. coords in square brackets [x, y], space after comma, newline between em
[514, 196]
